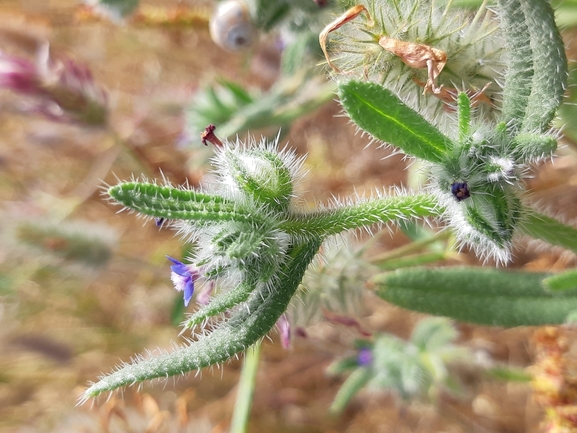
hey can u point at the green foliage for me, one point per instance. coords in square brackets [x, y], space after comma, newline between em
[411, 369]
[382, 114]
[509, 374]
[561, 282]
[548, 229]
[72, 242]
[549, 63]
[234, 109]
[474, 295]
[354, 383]
[174, 203]
[116, 9]
[520, 69]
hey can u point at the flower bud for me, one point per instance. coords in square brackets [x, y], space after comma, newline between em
[416, 49]
[261, 174]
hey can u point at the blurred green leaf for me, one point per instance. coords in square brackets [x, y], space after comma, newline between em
[476, 295]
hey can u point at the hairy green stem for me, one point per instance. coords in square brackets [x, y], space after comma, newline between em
[376, 211]
[220, 304]
[549, 63]
[519, 63]
[244, 328]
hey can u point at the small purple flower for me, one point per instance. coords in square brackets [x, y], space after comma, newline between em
[183, 277]
[365, 357]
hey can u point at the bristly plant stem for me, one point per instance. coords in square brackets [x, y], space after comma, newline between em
[381, 210]
[246, 385]
[537, 73]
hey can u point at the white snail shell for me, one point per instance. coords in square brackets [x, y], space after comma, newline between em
[231, 27]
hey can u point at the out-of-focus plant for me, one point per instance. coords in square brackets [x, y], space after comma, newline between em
[418, 368]
[236, 26]
[59, 89]
[65, 242]
[554, 382]
[253, 243]
[237, 110]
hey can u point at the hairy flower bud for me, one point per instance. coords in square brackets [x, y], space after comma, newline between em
[418, 50]
[258, 173]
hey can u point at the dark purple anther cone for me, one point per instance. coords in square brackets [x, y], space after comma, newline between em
[460, 191]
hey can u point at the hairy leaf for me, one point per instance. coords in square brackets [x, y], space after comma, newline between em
[482, 296]
[382, 114]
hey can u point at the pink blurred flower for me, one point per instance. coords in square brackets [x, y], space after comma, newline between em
[18, 74]
[62, 89]
[284, 329]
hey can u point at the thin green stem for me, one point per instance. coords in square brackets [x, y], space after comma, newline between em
[246, 385]
[410, 248]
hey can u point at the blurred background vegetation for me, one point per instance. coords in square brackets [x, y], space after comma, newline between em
[82, 287]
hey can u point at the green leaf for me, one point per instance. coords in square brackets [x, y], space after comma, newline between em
[174, 203]
[548, 229]
[271, 184]
[343, 365]
[219, 304]
[494, 212]
[434, 333]
[246, 385]
[536, 67]
[509, 374]
[529, 147]
[475, 295]
[382, 114]
[354, 383]
[561, 282]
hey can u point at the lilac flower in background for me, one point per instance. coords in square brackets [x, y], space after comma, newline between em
[365, 357]
[284, 329]
[19, 75]
[203, 298]
[63, 90]
[183, 277]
